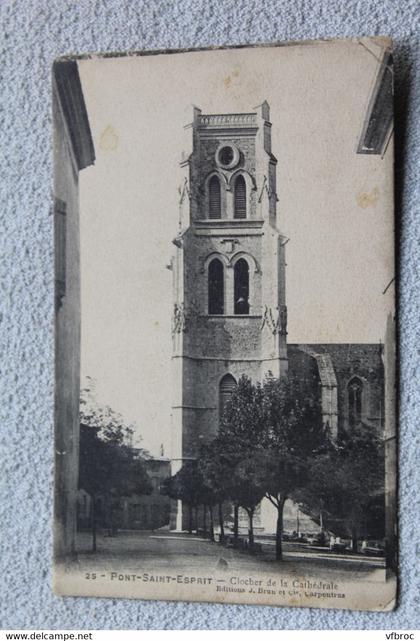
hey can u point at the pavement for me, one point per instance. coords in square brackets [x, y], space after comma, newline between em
[163, 550]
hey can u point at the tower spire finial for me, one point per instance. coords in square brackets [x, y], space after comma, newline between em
[264, 109]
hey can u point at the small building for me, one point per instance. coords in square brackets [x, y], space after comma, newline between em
[135, 512]
[148, 511]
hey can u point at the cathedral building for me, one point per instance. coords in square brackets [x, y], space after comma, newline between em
[229, 293]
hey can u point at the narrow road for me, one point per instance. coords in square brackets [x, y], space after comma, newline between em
[169, 550]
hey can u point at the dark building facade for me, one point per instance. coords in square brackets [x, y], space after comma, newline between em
[135, 512]
[350, 380]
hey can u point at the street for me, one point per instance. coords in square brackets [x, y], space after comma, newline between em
[163, 550]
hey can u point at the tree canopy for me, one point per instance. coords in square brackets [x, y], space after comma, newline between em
[108, 466]
[279, 427]
[347, 482]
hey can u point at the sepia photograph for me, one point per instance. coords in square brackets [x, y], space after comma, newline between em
[225, 424]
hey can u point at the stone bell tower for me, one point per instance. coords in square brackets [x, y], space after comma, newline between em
[229, 313]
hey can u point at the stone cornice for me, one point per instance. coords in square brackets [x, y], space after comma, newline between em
[227, 120]
[229, 224]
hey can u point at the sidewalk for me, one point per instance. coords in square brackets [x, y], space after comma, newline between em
[162, 550]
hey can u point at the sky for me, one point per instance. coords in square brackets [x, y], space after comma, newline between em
[334, 205]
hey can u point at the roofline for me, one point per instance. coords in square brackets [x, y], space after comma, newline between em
[66, 83]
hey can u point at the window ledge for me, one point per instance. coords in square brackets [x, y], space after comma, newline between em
[230, 316]
[225, 222]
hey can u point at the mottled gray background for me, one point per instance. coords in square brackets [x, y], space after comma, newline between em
[34, 32]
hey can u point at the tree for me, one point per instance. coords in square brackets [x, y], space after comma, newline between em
[92, 470]
[293, 438]
[279, 426]
[111, 470]
[111, 424]
[109, 466]
[189, 486]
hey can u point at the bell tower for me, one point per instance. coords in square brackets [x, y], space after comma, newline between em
[229, 307]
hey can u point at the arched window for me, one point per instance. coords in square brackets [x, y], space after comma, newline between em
[240, 198]
[215, 209]
[216, 287]
[354, 391]
[226, 389]
[241, 287]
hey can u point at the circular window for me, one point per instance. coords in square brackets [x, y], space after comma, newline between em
[227, 156]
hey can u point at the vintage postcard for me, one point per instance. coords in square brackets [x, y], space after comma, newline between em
[225, 346]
